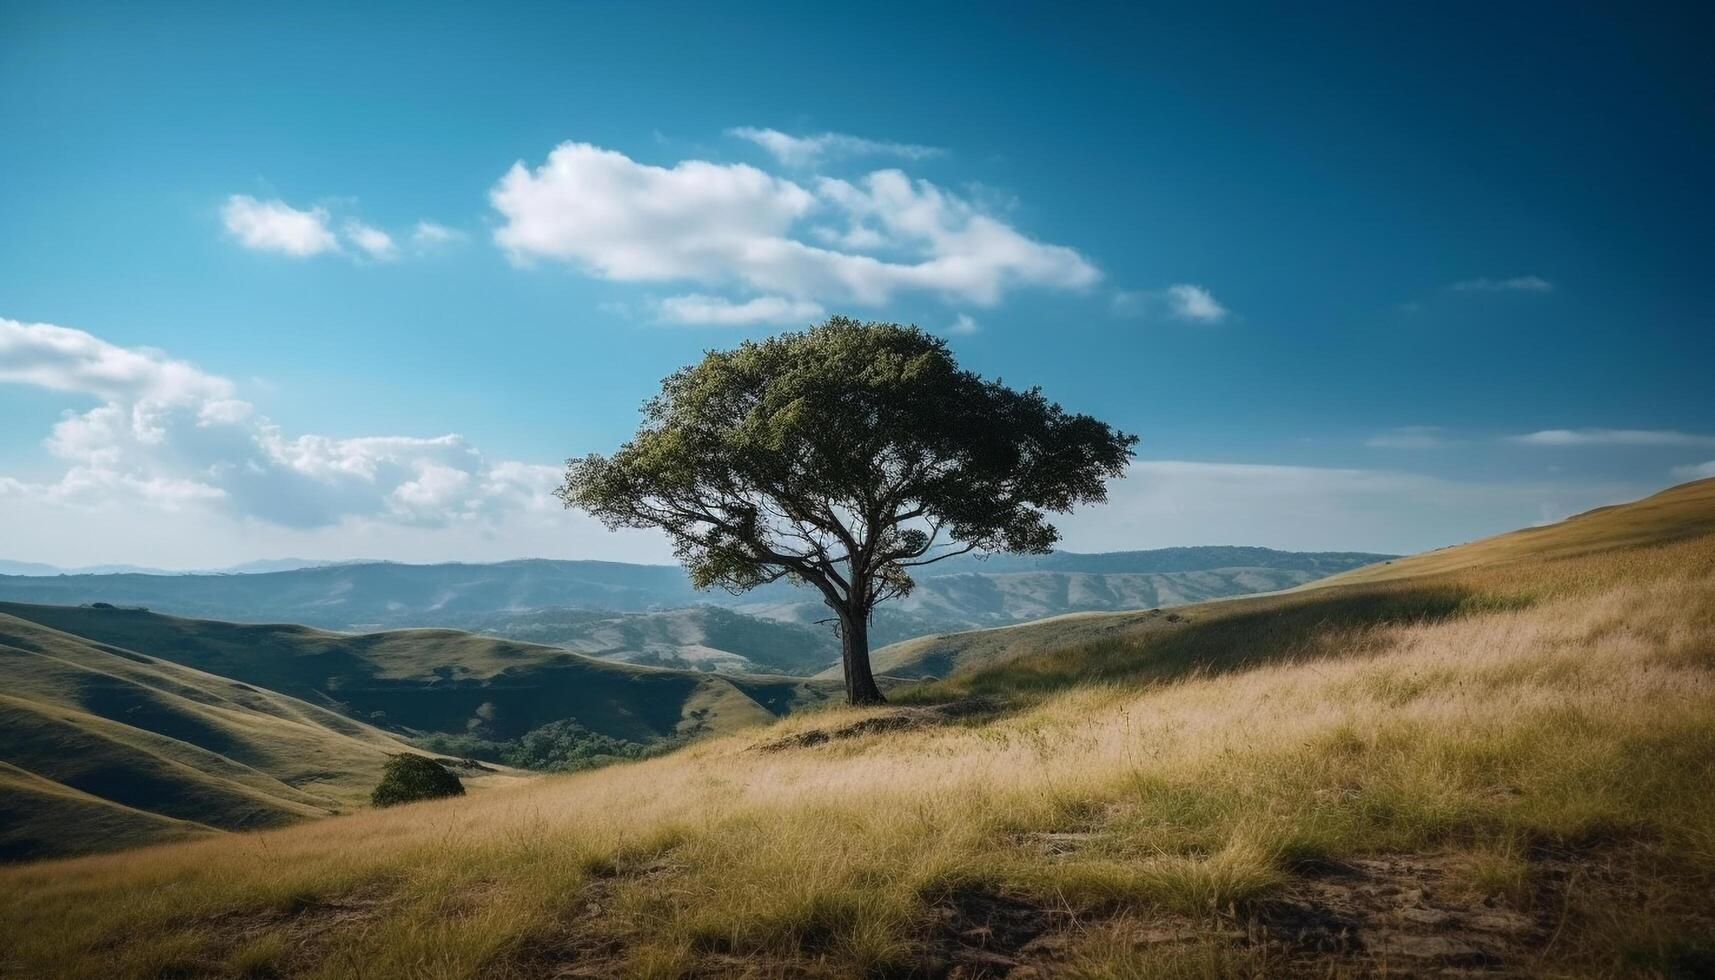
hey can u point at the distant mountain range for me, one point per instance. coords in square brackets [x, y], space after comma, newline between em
[649, 614]
[244, 568]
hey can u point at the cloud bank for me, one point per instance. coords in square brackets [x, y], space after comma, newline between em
[170, 438]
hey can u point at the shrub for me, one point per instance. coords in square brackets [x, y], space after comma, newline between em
[408, 778]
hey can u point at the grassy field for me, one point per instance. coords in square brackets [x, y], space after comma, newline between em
[1502, 764]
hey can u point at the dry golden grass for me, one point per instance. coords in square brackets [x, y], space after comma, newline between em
[1496, 714]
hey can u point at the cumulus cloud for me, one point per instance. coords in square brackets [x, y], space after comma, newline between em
[700, 309]
[63, 359]
[1611, 437]
[1696, 471]
[1181, 301]
[169, 435]
[1517, 284]
[964, 324]
[374, 242]
[275, 226]
[809, 151]
[734, 225]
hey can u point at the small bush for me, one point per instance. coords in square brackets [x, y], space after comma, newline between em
[409, 778]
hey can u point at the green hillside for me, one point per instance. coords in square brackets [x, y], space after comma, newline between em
[433, 680]
[101, 747]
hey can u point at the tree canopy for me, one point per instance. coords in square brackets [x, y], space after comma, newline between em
[843, 457]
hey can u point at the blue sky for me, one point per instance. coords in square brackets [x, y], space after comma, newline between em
[331, 282]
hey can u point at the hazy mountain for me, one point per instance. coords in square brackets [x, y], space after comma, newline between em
[707, 638]
[615, 610]
[243, 568]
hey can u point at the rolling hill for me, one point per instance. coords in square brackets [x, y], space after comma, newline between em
[1496, 761]
[101, 747]
[440, 681]
[1682, 512]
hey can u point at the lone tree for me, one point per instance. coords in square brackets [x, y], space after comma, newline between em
[843, 457]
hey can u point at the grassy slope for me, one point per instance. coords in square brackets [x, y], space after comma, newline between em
[103, 747]
[1538, 731]
[1675, 514]
[442, 680]
[1682, 512]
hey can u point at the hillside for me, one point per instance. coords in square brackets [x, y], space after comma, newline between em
[1679, 513]
[102, 747]
[440, 681]
[1504, 769]
[705, 637]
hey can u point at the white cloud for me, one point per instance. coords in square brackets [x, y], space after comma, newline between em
[1696, 471]
[376, 243]
[698, 308]
[428, 235]
[1183, 301]
[1612, 437]
[1410, 437]
[1167, 503]
[1517, 284]
[1194, 303]
[809, 151]
[275, 226]
[964, 324]
[63, 359]
[732, 224]
[169, 436]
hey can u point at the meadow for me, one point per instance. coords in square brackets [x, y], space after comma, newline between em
[1502, 765]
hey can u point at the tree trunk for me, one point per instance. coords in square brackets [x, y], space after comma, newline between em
[854, 650]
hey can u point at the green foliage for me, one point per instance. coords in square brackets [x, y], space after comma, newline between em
[560, 746]
[843, 457]
[409, 778]
[875, 418]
